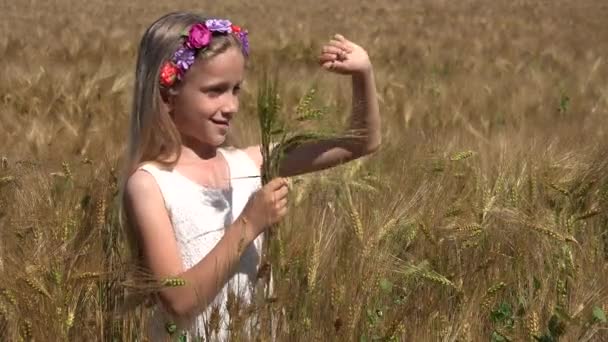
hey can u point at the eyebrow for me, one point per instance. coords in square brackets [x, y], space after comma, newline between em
[220, 84]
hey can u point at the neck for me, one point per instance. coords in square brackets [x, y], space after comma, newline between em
[192, 148]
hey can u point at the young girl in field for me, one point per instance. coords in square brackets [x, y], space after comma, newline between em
[196, 212]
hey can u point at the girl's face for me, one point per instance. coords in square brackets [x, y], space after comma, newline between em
[207, 98]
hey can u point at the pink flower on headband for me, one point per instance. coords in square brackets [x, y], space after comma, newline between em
[199, 36]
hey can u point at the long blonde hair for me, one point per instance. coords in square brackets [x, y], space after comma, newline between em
[152, 135]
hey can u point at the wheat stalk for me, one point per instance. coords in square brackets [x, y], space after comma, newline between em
[276, 141]
[551, 233]
[427, 233]
[67, 171]
[423, 271]
[353, 214]
[26, 330]
[6, 180]
[36, 286]
[410, 234]
[8, 294]
[491, 293]
[533, 325]
[462, 155]
[88, 276]
[313, 264]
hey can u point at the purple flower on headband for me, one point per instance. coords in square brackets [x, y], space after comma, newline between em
[183, 58]
[219, 25]
[243, 36]
[199, 36]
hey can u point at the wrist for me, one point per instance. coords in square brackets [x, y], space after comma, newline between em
[364, 73]
[250, 230]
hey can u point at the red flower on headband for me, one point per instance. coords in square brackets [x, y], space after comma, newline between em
[236, 29]
[168, 74]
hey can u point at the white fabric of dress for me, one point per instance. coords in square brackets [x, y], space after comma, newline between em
[199, 217]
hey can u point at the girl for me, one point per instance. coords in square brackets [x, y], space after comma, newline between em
[191, 203]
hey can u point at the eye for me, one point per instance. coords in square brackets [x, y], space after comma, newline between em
[237, 89]
[214, 91]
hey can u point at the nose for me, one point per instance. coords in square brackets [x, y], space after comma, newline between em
[231, 105]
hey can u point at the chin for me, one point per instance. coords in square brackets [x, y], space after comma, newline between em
[217, 142]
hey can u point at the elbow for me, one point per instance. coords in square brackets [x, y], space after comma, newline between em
[183, 302]
[365, 148]
[372, 146]
[371, 141]
[179, 308]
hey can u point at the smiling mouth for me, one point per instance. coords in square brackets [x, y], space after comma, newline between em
[220, 122]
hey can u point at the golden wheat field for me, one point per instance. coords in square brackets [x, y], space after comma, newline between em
[483, 216]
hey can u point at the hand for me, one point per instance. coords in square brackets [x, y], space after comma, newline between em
[267, 206]
[344, 57]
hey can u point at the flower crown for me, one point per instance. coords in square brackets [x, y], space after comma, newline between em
[197, 38]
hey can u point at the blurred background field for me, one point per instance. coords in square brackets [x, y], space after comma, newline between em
[482, 217]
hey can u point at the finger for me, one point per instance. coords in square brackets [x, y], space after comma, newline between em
[331, 49]
[328, 57]
[282, 212]
[282, 193]
[340, 45]
[282, 203]
[341, 38]
[345, 41]
[276, 183]
[328, 65]
[335, 66]
[337, 63]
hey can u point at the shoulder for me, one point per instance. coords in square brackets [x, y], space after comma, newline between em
[144, 178]
[141, 185]
[144, 203]
[253, 152]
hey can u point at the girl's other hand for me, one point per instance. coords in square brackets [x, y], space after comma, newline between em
[267, 206]
[344, 57]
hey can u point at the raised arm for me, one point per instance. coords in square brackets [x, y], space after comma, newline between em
[363, 136]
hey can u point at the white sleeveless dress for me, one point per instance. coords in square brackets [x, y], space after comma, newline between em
[199, 216]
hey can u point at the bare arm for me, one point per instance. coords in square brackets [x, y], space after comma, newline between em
[148, 217]
[362, 137]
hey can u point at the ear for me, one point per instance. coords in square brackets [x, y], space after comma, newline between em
[167, 96]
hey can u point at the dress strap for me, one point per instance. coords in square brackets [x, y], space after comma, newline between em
[240, 164]
[244, 178]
